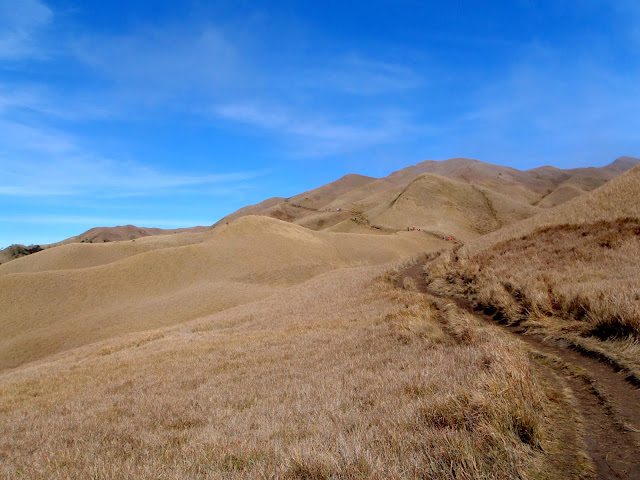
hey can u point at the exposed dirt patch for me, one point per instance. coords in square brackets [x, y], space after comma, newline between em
[607, 403]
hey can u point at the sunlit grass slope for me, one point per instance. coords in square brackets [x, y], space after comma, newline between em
[342, 376]
[450, 207]
[77, 294]
[573, 271]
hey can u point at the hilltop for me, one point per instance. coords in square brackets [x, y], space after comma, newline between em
[94, 235]
[357, 203]
[354, 203]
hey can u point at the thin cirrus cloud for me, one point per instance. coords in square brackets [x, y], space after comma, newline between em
[20, 24]
[153, 67]
[46, 162]
[107, 178]
[104, 220]
[46, 102]
[163, 62]
[312, 135]
[19, 139]
[360, 76]
[579, 110]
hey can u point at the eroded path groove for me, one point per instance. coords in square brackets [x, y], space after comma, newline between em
[608, 404]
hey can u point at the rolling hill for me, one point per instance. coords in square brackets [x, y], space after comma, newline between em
[570, 271]
[334, 206]
[80, 293]
[514, 194]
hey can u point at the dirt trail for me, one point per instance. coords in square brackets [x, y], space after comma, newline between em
[608, 404]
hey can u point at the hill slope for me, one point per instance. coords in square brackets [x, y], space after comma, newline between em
[76, 294]
[94, 235]
[571, 271]
[262, 348]
[365, 198]
[330, 206]
[449, 207]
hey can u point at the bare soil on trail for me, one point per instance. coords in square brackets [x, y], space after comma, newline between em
[608, 404]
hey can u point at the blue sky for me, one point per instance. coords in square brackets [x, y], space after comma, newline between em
[173, 114]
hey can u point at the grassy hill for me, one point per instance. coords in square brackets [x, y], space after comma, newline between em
[81, 293]
[449, 207]
[570, 271]
[341, 376]
[520, 193]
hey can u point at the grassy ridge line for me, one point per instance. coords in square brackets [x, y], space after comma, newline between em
[618, 198]
[571, 272]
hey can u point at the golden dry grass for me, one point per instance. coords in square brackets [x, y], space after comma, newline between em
[478, 198]
[321, 197]
[123, 232]
[577, 280]
[618, 198]
[51, 303]
[561, 194]
[83, 255]
[449, 207]
[343, 376]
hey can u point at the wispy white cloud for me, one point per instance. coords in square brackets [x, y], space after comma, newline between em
[19, 137]
[104, 221]
[46, 102]
[108, 178]
[310, 134]
[40, 162]
[361, 76]
[157, 63]
[551, 109]
[20, 23]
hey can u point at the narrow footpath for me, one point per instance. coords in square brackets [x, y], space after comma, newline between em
[607, 403]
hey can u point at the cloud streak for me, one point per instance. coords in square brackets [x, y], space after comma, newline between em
[159, 64]
[20, 24]
[311, 135]
[105, 221]
[359, 76]
[45, 162]
[107, 178]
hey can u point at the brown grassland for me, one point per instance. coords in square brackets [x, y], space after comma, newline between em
[343, 376]
[73, 295]
[572, 273]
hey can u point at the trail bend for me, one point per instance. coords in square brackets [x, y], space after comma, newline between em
[608, 404]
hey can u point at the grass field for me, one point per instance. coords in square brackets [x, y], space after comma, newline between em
[344, 376]
[53, 301]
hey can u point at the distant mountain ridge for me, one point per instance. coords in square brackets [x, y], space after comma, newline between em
[93, 235]
[357, 203]
[354, 203]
